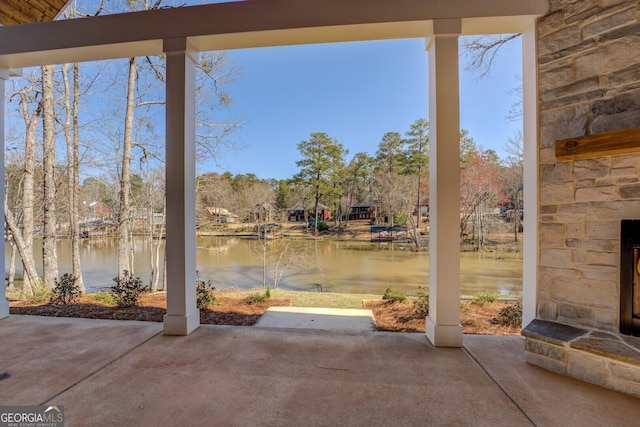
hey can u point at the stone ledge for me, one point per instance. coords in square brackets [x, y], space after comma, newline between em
[612, 348]
[622, 348]
[551, 332]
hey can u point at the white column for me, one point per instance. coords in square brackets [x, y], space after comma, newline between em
[443, 323]
[4, 304]
[182, 314]
[530, 135]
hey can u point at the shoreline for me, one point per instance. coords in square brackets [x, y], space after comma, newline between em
[360, 231]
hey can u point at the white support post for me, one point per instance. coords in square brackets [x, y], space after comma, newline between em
[182, 314]
[443, 323]
[4, 304]
[530, 145]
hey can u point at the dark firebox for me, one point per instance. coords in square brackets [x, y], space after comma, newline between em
[630, 278]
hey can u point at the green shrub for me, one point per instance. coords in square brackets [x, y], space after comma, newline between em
[65, 291]
[41, 293]
[103, 297]
[128, 290]
[511, 315]
[204, 293]
[394, 296]
[322, 225]
[400, 218]
[485, 298]
[421, 304]
[258, 297]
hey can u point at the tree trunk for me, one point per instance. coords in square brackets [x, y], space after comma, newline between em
[348, 208]
[164, 269]
[419, 199]
[11, 277]
[154, 253]
[153, 272]
[336, 208]
[263, 247]
[30, 272]
[132, 249]
[71, 136]
[156, 266]
[516, 218]
[315, 209]
[75, 225]
[49, 253]
[125, 179]
[28, 194]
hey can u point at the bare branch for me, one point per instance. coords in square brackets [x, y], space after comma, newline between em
[482, 51]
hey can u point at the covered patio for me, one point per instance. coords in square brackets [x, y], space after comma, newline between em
[128, 373]
[183, 32]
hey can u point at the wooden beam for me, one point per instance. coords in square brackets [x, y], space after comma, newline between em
[626, 141]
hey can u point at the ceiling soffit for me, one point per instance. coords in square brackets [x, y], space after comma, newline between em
[14, 12]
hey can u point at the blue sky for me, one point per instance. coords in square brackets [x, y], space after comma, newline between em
[355, 92]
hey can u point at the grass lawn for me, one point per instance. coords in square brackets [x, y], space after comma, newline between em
[312, 299]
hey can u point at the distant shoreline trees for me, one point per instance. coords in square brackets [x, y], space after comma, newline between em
[44, 196]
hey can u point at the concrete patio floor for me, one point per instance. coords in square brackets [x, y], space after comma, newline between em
[129, 374]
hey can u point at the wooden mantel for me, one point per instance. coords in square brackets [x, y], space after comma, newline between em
[614, 143]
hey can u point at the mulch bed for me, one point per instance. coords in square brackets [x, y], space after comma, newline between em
[152, 308]
[389, 316]
[475, 318]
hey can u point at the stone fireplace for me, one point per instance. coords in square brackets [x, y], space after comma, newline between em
[630, 277]
[588, 183]
[588, 270]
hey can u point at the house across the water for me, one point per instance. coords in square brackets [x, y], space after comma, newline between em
[362, 211]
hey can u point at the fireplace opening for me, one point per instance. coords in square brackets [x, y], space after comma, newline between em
[630, 278]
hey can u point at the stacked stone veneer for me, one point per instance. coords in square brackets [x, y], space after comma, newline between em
[589, 83]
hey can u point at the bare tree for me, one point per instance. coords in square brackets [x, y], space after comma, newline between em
[279, 255]
[152, 199]
[290, 253]
[479, 188]
[209, 139]
[49, 252]
[512, 177]
[28, 95]
[394, 195]
[482, 51]
[213, 192]
[71, 129]
[11, 275]
[124, 208]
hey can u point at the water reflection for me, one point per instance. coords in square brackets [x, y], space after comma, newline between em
[336, 266]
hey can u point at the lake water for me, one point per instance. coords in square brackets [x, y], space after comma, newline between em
[311, 265]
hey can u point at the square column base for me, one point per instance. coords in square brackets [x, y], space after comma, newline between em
[181, 325]
[444, 335]
[4, 309]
